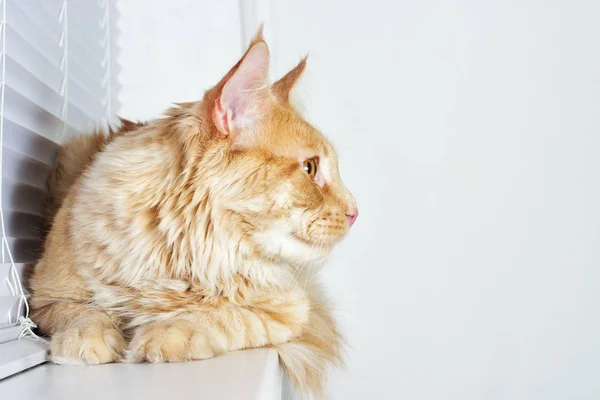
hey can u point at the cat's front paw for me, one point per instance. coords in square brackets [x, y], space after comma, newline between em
[169, 341]
[88, 345]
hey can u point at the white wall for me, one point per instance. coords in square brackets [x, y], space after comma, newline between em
[172, 51]
[469, 132]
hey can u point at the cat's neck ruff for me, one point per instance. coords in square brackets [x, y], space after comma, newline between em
[270, 258]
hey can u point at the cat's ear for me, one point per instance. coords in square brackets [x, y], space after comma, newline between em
[245, 95]
[282, 88]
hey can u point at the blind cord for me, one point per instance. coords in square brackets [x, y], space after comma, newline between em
[18, 313]
[13, 281]
[64, 66]
[107, 59]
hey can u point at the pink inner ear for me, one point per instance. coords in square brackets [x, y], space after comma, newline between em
[245, 95]
[221, 117]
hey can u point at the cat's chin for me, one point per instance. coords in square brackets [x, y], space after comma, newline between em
[293, 249]
[299, 251]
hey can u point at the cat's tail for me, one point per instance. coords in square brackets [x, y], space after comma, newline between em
[74, 158]
[308, 360]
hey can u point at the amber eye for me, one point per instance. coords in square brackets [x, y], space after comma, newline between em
[310, 167]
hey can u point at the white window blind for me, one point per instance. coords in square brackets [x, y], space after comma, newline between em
[58, 78]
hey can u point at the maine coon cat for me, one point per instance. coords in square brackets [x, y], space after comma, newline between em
[196, 234]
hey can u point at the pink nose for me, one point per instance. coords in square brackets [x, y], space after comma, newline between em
[352, 216]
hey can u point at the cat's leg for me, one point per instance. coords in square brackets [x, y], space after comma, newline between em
[213, 331]
[80, 334]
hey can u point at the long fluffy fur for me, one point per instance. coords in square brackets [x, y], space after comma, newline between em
[183, 239]
[307, 360]
[74, 158]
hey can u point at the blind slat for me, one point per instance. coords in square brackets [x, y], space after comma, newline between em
[45, 42]
[87, 33]
[8, 332]
[22, 198]
[53, 77]
[94, 106]
[24, 250]
[43, 12]
[30, 115]
[39, 17]
[90, 15]
[21, 225]
[89, 59]
[22, 140]
[81, 81]
[35, 90]
[38, 92]
[22, 168]
[25, 54]
[88, 82]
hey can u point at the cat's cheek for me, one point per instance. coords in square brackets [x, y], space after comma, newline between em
[281, 196]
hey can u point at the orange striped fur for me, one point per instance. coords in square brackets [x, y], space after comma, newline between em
[197, 234]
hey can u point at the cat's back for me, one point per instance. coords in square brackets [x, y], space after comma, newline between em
[74, 158]
[129, 168]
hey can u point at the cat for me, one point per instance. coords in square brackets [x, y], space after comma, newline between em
[197, 234]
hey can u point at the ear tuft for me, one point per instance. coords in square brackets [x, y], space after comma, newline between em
[282, 88]
[258, 36]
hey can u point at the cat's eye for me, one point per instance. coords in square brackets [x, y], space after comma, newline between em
[310, 167]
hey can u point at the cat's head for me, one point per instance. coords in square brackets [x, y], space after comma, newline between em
[280, 182]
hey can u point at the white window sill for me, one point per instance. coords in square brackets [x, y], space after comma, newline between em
[250, 374]
[19, 355]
